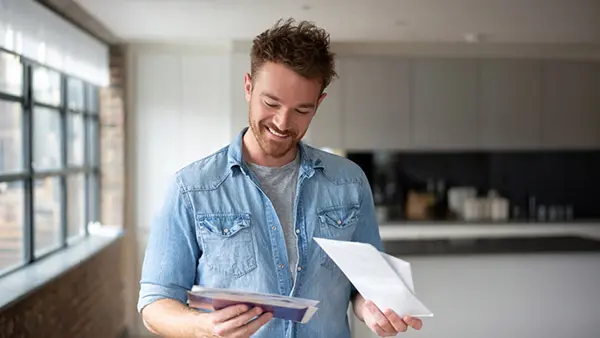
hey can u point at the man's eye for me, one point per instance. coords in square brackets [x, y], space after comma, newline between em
[269, 104]
[303, 112]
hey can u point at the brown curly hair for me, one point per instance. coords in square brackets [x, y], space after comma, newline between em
[303, 47]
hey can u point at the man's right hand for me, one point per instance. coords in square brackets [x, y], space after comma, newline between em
[236, 321]
[171, 318]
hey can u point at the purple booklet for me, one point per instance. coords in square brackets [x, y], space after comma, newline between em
[289, 308]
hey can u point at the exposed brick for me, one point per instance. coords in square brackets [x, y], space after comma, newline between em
[112, 141]
[87, 301]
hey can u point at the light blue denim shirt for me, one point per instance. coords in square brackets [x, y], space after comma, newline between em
[217, 228]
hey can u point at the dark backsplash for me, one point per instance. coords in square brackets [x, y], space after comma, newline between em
[553, 177]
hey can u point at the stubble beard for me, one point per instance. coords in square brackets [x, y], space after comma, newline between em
[275, 149]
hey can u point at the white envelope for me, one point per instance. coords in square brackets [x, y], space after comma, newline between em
[379, 277]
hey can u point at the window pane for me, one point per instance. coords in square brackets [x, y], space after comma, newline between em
[11, 224]
[75, 140]
[93, 157]
[75, 94]
[75, 205]
[11, 137]
[47, 214]
[93, 94]
[11, 74]
[46, 86]
[46, 138]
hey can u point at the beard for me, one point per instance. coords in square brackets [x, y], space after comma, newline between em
[271, 147]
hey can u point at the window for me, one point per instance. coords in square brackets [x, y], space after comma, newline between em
[49, 160]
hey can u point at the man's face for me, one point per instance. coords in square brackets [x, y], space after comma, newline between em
[282, 104]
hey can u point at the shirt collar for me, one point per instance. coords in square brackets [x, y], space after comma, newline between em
[309, 159]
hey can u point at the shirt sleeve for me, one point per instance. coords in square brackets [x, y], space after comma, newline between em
[172, 251]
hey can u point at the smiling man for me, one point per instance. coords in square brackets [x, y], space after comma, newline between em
[245, 217]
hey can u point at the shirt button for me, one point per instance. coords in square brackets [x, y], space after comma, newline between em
[281, 266]
[297, 231]
[225, 230]
[340, 221]
[273, 228]
[299, 268]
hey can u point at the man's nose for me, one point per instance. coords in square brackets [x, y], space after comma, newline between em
[282, 119]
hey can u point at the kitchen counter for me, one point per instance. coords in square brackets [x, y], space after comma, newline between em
[489, 238]
[428, 230]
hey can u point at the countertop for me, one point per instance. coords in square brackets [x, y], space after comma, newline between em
[435, 238]
[457, 229]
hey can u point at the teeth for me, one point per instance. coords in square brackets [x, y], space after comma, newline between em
[276, 133]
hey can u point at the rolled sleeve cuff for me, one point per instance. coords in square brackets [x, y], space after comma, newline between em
[150, 293]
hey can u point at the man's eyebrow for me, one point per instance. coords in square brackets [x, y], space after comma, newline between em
[275, 98]
[306, 105]
[272, 97]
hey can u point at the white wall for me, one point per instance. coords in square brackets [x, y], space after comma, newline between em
[180, 113]
[499, 296]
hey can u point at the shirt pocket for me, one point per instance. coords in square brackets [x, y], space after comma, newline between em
[337, 223]
[227, 243]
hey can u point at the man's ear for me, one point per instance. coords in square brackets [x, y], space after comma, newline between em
[321, 98]
[248, 87]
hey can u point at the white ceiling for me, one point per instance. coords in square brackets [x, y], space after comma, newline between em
[502, 21]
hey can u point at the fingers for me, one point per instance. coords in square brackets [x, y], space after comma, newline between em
[233, 324]
[395, 320]
[388, 323]
[228, 313]
[380, 332]
[251, 328]
[378, 321]
[413, 322]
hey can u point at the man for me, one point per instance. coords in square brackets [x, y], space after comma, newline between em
[245, 217]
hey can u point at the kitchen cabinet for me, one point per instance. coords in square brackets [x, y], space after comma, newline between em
[457, 104]
[376, 106]
[511, 104]
[240, 65]
[446, 112]
[571, 105]
[326, 127]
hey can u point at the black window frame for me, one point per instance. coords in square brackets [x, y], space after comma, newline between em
[90, 169]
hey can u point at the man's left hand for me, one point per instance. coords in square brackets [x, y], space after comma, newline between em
[386, 323]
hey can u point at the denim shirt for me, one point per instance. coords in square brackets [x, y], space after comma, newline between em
[217, 228]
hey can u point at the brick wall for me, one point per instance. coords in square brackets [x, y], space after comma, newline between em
[85, 302]
[112, 141]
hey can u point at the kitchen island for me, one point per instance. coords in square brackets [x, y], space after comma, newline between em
[551, 293]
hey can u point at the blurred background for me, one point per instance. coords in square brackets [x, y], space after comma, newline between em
[477, 123]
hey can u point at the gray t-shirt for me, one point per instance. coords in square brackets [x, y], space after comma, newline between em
[279, 183]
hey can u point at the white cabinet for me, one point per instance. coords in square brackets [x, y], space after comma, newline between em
[446, 114]
[376, 107]
[326, 127]
[511, 104]
[240, 65]
[571, 105]
[393, 103]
